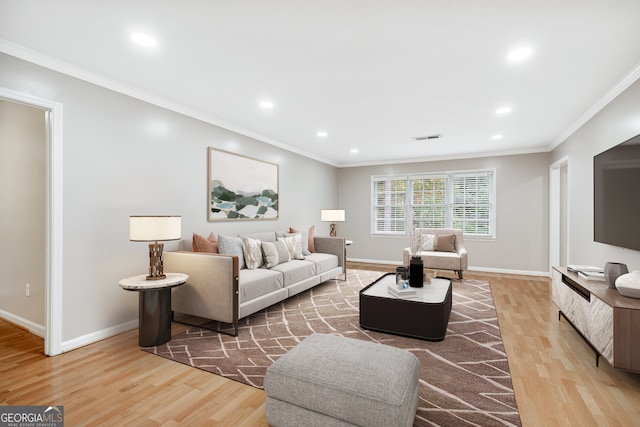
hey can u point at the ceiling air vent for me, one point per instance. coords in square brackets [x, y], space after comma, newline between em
[424, 138]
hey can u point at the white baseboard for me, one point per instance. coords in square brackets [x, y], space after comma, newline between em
[482, 269]
[375, 261]
[30, 326]
[98, 335]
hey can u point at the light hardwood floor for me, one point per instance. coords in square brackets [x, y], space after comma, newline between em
[113, 382]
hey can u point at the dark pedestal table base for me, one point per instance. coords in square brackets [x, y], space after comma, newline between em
[154, 317]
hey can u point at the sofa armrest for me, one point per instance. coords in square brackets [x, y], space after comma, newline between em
[212, 289]
[332, 245]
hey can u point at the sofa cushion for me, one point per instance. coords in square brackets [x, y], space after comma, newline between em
[323, 262]
[275, 253]
[208, 245]
[266, 236]
[294, 245]
[252, 249]
[295, 270]
[231, 245]
[258, 282]
[446, 243]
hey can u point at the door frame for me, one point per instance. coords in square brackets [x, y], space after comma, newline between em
[53, 224]
[558, 238]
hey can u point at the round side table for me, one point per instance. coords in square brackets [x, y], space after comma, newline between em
[154, 306]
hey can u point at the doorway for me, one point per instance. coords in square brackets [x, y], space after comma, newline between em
[53, 215]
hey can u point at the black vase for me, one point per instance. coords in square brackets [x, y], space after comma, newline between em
[612, 270]
[416, 279]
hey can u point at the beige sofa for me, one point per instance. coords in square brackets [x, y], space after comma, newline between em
[445, 257]
[220, 289]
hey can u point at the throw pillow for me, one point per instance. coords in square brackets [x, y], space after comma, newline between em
[304, 241]
[312, 236]
[311, 246]
[252, 252]
[200, 244]
[428, 242]
[274, 253]
[294, 245]
[230, 245]
[446, 243]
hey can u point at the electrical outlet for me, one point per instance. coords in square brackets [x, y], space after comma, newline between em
[28, 290]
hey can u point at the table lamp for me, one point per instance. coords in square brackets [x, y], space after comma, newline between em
[332, 216]
[154, 229]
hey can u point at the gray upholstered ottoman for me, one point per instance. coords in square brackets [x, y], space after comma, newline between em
[328, 380]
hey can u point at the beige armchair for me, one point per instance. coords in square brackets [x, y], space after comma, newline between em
[446, 256]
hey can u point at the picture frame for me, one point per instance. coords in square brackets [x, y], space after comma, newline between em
[241, 187]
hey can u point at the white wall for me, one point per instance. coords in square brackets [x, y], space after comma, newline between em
[617, 122]
[121, 157]
[521, 243]
[22, 214]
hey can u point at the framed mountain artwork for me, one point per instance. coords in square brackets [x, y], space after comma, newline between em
[241, 187]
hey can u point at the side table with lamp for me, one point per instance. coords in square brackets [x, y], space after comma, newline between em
[333, 216]
[154, 298]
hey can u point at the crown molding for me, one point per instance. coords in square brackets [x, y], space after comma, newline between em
[45, 61]
[627, 81]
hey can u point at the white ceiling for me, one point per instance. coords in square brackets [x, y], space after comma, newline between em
[372, 74]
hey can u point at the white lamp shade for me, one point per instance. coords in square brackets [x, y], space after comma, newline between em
[332, 215]
[154, 228]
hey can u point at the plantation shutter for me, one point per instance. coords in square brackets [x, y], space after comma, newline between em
[389, 200]
[472, 204]
[428, 201]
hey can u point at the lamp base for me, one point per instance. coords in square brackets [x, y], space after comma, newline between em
[332, 230]
[155, 262]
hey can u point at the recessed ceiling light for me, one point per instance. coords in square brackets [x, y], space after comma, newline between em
[503, 110]
[519, 54]
[322, 134]
[496, 137]
[354, 150]
[266, 104]
[143, 39]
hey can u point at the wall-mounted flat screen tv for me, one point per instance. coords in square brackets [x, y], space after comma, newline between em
[616, 195]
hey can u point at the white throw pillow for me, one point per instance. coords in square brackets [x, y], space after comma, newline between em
[428, 242]
[294, 246]
[252, 252]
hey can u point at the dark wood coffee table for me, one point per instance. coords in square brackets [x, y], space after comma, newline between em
[425, 317]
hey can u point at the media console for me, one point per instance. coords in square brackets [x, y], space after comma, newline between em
[608, 321]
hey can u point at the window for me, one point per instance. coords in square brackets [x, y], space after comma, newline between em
[462, 200]
[389, 205]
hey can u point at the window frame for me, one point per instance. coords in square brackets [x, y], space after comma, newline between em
[449, 203]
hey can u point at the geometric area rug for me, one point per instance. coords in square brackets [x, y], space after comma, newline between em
[465, 379]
